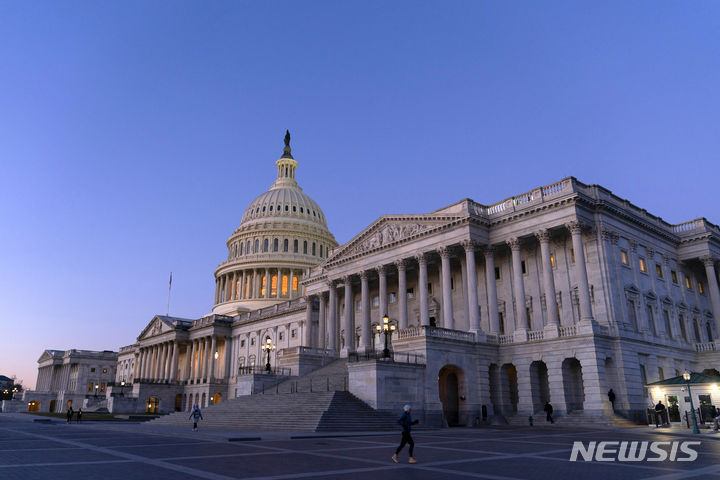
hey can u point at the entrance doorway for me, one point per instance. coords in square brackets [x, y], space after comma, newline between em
[52, 406]
[33, 406]
[153, 405]
[178, 402]
[673, 408]
[217, 398]
[449, 388]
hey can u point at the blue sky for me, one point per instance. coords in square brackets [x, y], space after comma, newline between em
[134, 134]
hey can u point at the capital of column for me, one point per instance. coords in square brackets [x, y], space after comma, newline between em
[363, 275]
[633, 246]
[400, 264]
[513, 243]
[574, 226]
[543, 236]
[380, 269]
[488, 250]
[421, 258]
[468, 245]
[443, 251]
[650, 253]
[347, 279]
[708, 260]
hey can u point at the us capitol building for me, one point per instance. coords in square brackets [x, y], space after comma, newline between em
[557, 294]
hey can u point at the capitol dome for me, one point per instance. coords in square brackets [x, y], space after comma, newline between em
[282, 233]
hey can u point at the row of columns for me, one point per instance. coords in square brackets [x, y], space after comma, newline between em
[247, 284]
[709, 262]
[543, 237]
[159, 362]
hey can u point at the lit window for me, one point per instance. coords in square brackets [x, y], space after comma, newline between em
[624, 257]
[376, 301]
[572, 255]
[295, 283]
[673, 275]
[102, 387]
[701, 287]
[643, 266]
[284, 284]
[393, 297]
[90, 386]
[104, 370]
[552, 260]
[688, 284]
[658, 270]
[273, 285]
[262, 286]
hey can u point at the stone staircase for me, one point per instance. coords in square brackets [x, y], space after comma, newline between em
[576, 418]
[316, 402]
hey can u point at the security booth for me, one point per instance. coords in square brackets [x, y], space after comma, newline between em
[675, 394]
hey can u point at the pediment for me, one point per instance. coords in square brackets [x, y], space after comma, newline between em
[46, 355]
[630, 288]
[157, 326]
[388, 231]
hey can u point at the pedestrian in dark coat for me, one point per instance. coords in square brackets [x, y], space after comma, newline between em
[611, 397]
[69, 414]
[79, 415]
[195, 415]
[406, 422]
[548, 411]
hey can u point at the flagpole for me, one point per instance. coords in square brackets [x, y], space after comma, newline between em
[169, 289]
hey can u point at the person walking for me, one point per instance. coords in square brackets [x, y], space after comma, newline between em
[196, 415]
[548, 412]
[611, 397]
[406, 422]
[69, 414]
[660, 414]
[79, 415]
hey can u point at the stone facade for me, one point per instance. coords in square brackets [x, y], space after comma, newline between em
[558, 294]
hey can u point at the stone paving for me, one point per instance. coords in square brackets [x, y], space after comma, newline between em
[33, 450]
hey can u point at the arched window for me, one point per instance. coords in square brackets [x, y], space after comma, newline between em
[275, 245]
[709, 331]
[271, 207]
[301, 210]
[305, 247]
[247, 247]
[286, 208]
[265, 245]
[313, 249]
[321, 250]
[257, 245]
[286, 244]
[295, 246]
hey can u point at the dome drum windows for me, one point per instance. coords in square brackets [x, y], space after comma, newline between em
[275, 245]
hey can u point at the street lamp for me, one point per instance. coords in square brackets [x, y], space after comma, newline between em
[686, 377]
[122, 387]
[387, 329]
[268, 347]
[96, 389]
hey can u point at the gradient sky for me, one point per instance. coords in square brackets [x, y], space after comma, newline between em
[134, 134]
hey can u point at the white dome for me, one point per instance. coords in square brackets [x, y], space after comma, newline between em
[284, 202]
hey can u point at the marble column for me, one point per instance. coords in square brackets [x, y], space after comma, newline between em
[207, 359]
[709, 263]
[188, 361]
[291, 292]
[448, 314]
[332, 318]
[227, 356]
[365, 334]
[307, 328]
[494, 319]
[543, 237]
[173, 362]
[268, 283]
[162, 361]
[349, 346]
[472, 295]
[278, 284]
[211, 358]
[233, 293]
[518, 284]
[382, 274]
[402, 294]
[321, 341]
[581, 272]
[242, 285]
[422, 289]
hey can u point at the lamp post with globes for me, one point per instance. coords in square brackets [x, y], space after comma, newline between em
[96, 389]
[387, 329]
[686, 377]
[122, 387]
[268, 347]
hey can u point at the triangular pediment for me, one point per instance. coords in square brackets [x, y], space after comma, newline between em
[48, 355]
[157, 326]
[391, 230]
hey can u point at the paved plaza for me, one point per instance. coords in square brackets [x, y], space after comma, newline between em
[34, 450]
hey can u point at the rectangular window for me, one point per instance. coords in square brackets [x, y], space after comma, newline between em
[673, 275]
[376, 301]
[701, 287]
[688, 283]
[273, 285]
[668, 328]
[658, 270]
[284, 285]
[572, 255]
[683, 332]
[497, 273]
[102, 387]
[92, 370]
[90, 386]
[393, 297]
[624, 257]
[410, 293]
[643, 265]
[358, 305]
[295, 283]
[522, 266]
[281, 335]
[661, 373]
[651, 319]
[552, 260]
[262, 286]
[252, 341]
[293, 332]
[242, 343]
